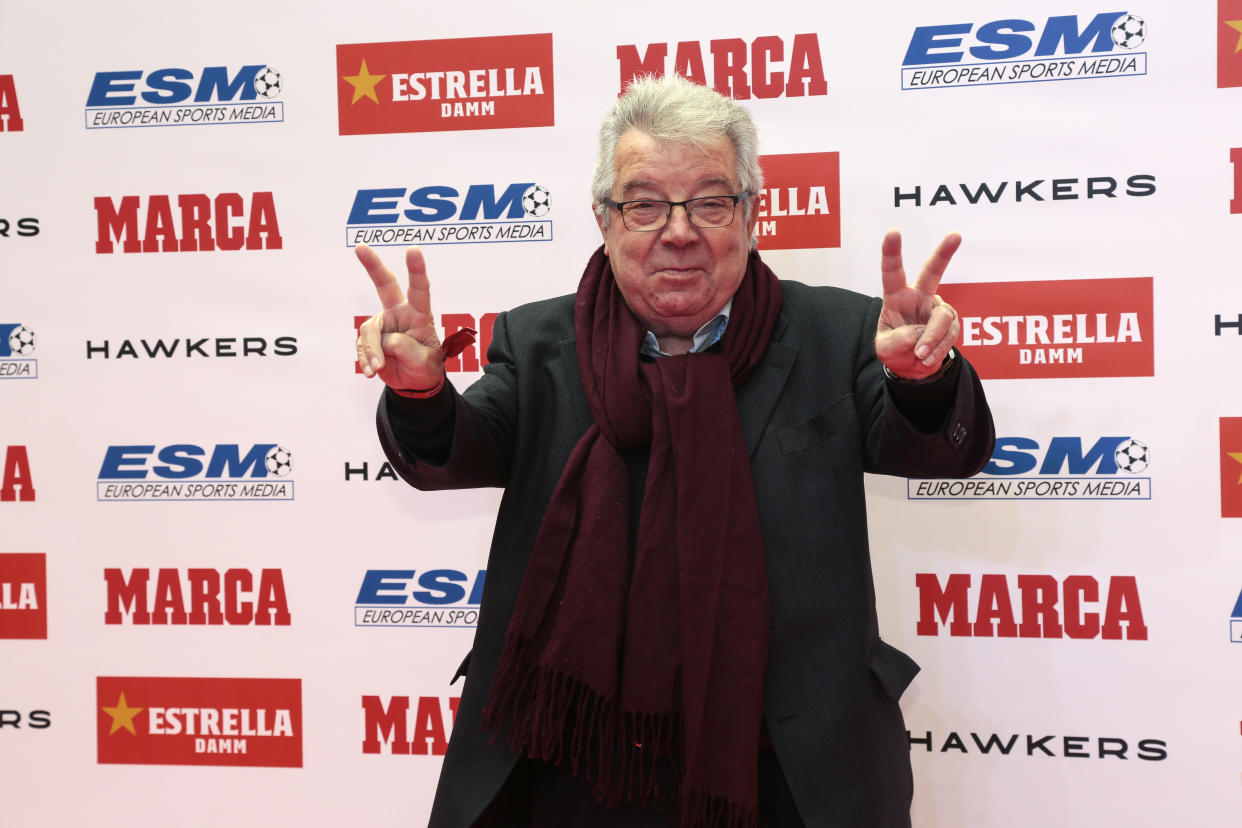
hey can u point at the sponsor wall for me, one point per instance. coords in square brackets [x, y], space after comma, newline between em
[218, 604]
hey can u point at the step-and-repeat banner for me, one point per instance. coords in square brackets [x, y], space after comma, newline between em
[218, 603]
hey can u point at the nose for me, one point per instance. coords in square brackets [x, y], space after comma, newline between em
[679, 232]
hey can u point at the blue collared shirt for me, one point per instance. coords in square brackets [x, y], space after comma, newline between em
[704, 338]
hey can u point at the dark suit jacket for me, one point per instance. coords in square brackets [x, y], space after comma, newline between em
[816, 414]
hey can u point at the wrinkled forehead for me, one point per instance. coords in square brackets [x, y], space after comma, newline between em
[645, 161]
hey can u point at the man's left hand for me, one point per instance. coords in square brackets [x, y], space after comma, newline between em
[917, 328]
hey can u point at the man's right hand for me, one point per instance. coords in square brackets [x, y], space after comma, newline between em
[400, 343]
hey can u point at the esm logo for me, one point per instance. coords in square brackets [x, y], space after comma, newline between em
[177, 96]
[1066, 47]
[17, 347]
[440, 214]
[430, 598]
[184, 471]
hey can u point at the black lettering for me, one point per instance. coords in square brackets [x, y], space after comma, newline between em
[254, 345]
[1074, 746]
[286, 345]
[1141, 185]
[1063, 189]
[92, 349]
[1107, 187]
[350, 471]
[994, 741]
[4, 228]
[10, 717]
[28, 227]
[160, 348]
[915, 741]
[942, 194]
[386, 472]
[126, 349]
[916, 196]
[1118, 752]
[1153, 750]
[1032, 743]
[224, 346]
[1221, 324]
[983, 190]
[39, 719]
[954, 741]
[196, 346]
[1029, 189]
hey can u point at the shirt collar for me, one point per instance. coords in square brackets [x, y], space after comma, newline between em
[705, 337]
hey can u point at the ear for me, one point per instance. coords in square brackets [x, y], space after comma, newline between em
[603, 231]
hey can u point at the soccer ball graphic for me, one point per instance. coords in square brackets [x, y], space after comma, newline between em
[22, 341]
[279, 461]
[535, 201]
[1128, 31]
[1131, 456]
[267, 83]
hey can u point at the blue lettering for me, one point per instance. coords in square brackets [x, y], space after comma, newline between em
[926, 38]
[180, 461]
[228, 458]
[1237, 608]
[108, 83]
[118, 456]
[1065, 29]
[367, 202]
[432, 204]
[476, 594]
[1067, 451]
[215, 82]
[483, 195]
[170, 86]
[1012, 456]
[6, 330]
[376, 580]
[440, 581]
[1003, 33]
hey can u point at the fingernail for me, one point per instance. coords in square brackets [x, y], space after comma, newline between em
[375, 364]
[930, 360]
[921, 352]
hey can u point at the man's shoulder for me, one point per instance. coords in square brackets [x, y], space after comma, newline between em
[549, 319]
[823, 305]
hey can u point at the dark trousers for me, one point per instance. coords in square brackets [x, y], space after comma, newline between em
[537, 795]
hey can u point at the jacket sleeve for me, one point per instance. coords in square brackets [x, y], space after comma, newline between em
[452, 440]
[939, 429]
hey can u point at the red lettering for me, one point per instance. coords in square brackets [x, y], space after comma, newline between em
[1124, 605]
[273, 607]
[195, 222]
[18, 484]
[688, 62]
[385, 724]
[117, 222]
[950, 600]
[1235, 157]
[10, 113]
[428, 728]
[160, 224]
[730, 74]
[994, 606]
[806, 71]
[1077, 589]
[169, 604]
[632, 64]
[729, 58]
[129, 596]
[263, 224]
[761, 51]
[227, 206]
[1039, 607]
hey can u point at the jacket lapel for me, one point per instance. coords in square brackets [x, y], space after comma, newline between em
[756, 400]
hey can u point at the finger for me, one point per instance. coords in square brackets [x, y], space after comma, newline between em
[418, 293]
[941, 333]
[933, 269]
[369, 346]
[386, 285]
[891, 269]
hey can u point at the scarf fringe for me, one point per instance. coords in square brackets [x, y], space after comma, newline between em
[699, 808]
[558, 719]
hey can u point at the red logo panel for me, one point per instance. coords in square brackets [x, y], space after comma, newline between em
[1068, 328]
[1229, 43]
[23, 595]
[199, 721]
[1231, 467]
[436, 85]
[800, 206]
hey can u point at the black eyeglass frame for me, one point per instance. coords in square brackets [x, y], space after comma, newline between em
[620, 205]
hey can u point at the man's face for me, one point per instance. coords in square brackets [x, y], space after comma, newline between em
[677, 278]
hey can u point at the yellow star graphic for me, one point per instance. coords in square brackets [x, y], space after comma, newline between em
[1236, 455]
[122, 716]
[1235, 24]
[363, 83]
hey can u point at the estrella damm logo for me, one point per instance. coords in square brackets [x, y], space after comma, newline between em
[23, 595]
[184, 97]
[436, 85]
[438, 214]
[184, 471]
[17, 347]
[427, 598]
[1012, 50]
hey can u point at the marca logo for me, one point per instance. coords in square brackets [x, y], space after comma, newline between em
[16, 483]
[1067, 47]
[182, 97]
[435, 85]
[1228, 43]
[1066, 328]
[184, 471]
[435, 598]
[1065, 747]
[800, 205]
[199, 721]
[1230, 467]
[1037, 189]
[209, 597]
[472, 358]
[10, 112]
[1109, 469]
[22, 227]
[23, 595]
[199, 223]
[17, 347]
[1051, 608]
[738, 69]
[1235, 622]
[35, 719]
[192, 347]
[391, 727]
[450, 215]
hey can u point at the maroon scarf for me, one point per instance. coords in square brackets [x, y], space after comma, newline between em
[626, 670]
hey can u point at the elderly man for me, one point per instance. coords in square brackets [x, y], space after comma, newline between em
[679, 622]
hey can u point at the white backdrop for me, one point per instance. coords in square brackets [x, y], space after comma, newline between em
[1171, 697]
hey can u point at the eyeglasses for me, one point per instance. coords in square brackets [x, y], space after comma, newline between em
[644, 215]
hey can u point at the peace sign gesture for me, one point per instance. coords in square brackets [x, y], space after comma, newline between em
[400, 342]
[917, 328]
